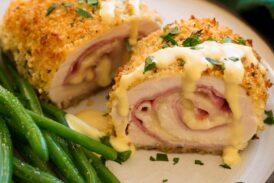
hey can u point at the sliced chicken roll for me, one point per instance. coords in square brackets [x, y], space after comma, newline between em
[192, 87]
[70, 49]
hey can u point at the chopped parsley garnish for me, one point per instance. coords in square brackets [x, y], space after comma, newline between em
[215, 62]
[93, 3]
[234, 59]
[241, 41]
[51, 9]
[83, 13]
[165, 180]
[198, 162]
[193, 39]
[149, 64]
[175, 160]
[67, 5]
[269, 117]
[196, 47]
[225, 166]
[168, 37]
[174, 31]
[81, 1]
[159, 157]
[164, 46]
[227, 39]
[128, 45]
[211, 39]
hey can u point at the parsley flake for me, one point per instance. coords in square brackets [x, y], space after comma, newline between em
[193, 39]
[149, 64]
[168, 37]
[241, 41]
[196, 47]
[164, 46]
[165, 180]
[234, 59]
[93, 3]
[269, 117]
[211, 39]
[175, 160]
[51, 9]
[128, 45]
[225, 166]
[67, 5]
[159, 157]
[227, 39]
[198, 162]
[81, 1]
[174, 30]
[214, 62]
[83, 13]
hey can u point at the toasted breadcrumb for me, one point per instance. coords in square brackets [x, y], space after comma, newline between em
[255, 82]
[40, 43]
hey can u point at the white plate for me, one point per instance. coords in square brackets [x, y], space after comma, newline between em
[257, 160]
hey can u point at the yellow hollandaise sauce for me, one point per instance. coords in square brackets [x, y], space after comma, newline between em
[97, 124]
[196, 62]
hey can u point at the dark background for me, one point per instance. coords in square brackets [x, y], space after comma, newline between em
[258, 16]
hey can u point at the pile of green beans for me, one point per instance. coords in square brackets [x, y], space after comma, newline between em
[36, 143]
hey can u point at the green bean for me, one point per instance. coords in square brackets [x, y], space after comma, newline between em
[63, 143]
[16, 111]
[28, 173]
[55, 112]
[32, 158]
[85, 167]
[62, 161]
[102, 171]
[73, 136]
[15, 131]
[4, 79]
[5, 153]
[25, 89]
[79, 156]
[57, 154]
[122, 156]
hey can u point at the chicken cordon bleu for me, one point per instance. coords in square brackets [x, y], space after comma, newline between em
[69, 49]
[192, 87]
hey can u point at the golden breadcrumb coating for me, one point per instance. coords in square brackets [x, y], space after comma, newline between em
[40, 43]
[254, 82]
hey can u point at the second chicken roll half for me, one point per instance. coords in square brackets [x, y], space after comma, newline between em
[192, 87]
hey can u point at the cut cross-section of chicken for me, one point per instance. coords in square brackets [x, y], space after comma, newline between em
[208, 96]
[67, 54]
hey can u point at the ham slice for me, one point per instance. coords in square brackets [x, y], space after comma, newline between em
[177, 95]
[66, 54]
[156, 115]
[78, 75]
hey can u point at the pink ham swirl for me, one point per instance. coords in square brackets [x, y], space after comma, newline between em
[156, 115]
